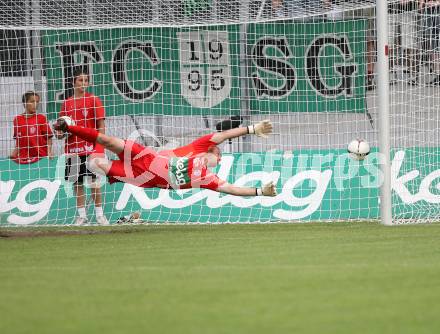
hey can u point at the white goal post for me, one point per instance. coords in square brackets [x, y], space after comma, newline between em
[383, 101]
[167, 72]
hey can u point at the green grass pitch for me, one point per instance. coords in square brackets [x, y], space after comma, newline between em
[281, 278]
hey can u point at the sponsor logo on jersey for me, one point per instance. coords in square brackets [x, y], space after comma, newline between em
[178, 171]
[32, 130]
[76, 150]
[88, 148]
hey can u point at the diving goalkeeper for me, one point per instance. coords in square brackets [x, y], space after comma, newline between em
[182, 168]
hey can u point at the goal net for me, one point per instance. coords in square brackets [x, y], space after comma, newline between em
[170, 71]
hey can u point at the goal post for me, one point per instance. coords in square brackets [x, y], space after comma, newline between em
[169, 71]
[383, 102]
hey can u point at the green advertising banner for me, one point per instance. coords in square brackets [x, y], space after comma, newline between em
[292, 66]
[164, 71]
[308, 67]
[312, 186]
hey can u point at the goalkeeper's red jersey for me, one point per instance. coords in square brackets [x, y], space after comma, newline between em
[198, 146]
[31, 134]
[85, 111]
[182, 168]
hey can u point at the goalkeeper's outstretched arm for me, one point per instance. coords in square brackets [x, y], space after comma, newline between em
[266, 190]
[261, 129]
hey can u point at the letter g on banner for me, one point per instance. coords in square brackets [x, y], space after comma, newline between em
[317, 75]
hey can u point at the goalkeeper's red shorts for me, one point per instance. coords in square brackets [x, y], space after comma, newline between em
[133, 167]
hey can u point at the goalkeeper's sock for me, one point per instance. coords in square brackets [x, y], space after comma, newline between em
[88, 134]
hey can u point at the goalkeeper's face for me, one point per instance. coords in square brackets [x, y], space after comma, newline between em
[213, 156]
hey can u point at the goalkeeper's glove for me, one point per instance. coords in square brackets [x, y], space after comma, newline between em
[267, 189]
[261, 129]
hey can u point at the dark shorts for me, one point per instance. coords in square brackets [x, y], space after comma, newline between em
[76, 169]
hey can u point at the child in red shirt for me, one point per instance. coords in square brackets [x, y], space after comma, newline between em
[32, 133]
[88, 111]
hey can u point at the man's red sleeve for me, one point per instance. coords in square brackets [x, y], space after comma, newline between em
[211, 181]
[202, 144]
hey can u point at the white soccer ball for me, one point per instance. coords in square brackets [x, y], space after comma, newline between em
[68, 120]
[358, 149]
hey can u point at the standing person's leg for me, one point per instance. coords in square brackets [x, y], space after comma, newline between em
[93, 165]
[99, 212]
[85, 174]
[73, 175]
[80, 203]
[80, 196]
[96, 196]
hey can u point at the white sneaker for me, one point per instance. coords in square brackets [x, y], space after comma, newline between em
[101, 220]
[81, 221]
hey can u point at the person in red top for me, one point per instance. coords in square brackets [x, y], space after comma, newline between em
[32, 133]
[182, 168]
[88, 111]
